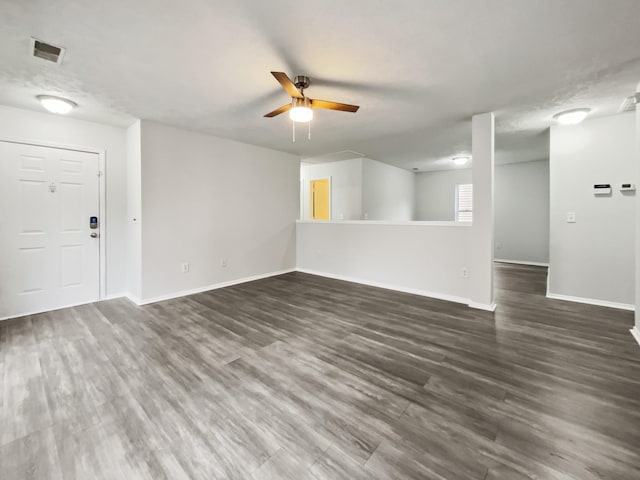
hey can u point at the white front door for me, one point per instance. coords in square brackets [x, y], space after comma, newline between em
[48, 256]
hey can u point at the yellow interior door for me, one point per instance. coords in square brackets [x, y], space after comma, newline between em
[320, 199]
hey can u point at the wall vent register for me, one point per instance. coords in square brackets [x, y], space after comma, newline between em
[46, 51]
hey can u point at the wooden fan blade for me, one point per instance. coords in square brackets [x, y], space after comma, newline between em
[278, 111]
[343, 107]
[287, 84]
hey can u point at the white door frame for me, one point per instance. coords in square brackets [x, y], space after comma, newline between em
[102, 198]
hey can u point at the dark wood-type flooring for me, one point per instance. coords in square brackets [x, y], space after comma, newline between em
[305, 378]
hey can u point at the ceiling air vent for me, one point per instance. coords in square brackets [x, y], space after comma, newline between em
[46, 51]
[629, 104]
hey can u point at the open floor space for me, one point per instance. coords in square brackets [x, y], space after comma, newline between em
[303, 377]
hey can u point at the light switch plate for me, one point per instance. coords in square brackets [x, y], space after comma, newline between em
[571, 217]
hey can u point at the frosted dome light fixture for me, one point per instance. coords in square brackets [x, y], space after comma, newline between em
[301, 110]
[58, 105]
[301, 114]
[572, 117]
[460, 160]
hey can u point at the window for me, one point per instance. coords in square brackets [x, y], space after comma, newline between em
[464, 202]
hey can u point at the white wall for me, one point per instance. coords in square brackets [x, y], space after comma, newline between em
[204, 199]
[362, 188]
[481, 243]
[134, 211]
[387, 192]
[522, 212]
[435, 194]
[424, 259]
[521, 206]
[346, 187]
[593, 258]
[25, 125]
[637, 164]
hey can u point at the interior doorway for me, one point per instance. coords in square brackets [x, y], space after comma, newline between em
[50, 248]
[320, 199]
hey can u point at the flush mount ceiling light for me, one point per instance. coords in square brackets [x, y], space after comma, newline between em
[301, 110]
[460, 160]
[56, 104]
[571, 117]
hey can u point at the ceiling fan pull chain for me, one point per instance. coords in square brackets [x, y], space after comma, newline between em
[309, 135]
[294, 131]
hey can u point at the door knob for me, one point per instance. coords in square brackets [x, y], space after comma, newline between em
[94, 235]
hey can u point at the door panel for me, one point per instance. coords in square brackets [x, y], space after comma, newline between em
[48, 259]
[320, 209]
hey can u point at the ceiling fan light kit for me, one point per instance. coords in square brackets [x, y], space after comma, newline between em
[301, 107]
[301, 110]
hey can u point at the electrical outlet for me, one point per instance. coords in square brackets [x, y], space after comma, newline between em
[185, 267]
[366, 216]
[223, 262]
[464, 272]
[341, 216]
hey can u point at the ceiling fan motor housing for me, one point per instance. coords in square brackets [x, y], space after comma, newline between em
[302, 82]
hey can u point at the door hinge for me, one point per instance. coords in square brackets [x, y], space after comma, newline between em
[99, 173]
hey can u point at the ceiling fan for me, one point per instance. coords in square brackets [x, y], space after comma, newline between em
[300, 108]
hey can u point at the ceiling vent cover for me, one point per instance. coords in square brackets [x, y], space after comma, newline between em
[629, 104]
[46, 51]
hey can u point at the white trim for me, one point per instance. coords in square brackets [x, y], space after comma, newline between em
[483, 306]
[102, 199]
[385, 222]
[635, 331]
[134, 299]
[102, 225]
[61, 146]
[36, 312]
[591, 301]
[520, 262]
[206, 288]
[548, 280]
[386, 286]
[113, 296]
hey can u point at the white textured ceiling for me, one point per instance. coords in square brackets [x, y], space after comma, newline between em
[419, 68]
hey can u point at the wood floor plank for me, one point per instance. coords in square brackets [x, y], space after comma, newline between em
[334, 464]
[24, 409]
[77, 377]
[283, 466]
[264, 381]
[31, 457]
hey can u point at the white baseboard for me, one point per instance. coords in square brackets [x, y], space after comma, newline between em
[134, 299]
[184, 293]
[113, 296]
[635, 331]
[519, 262]
[591, 301]
[386, 286]
[483, 306]
[36, 312]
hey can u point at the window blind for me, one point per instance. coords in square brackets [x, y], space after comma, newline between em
[464, 202]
